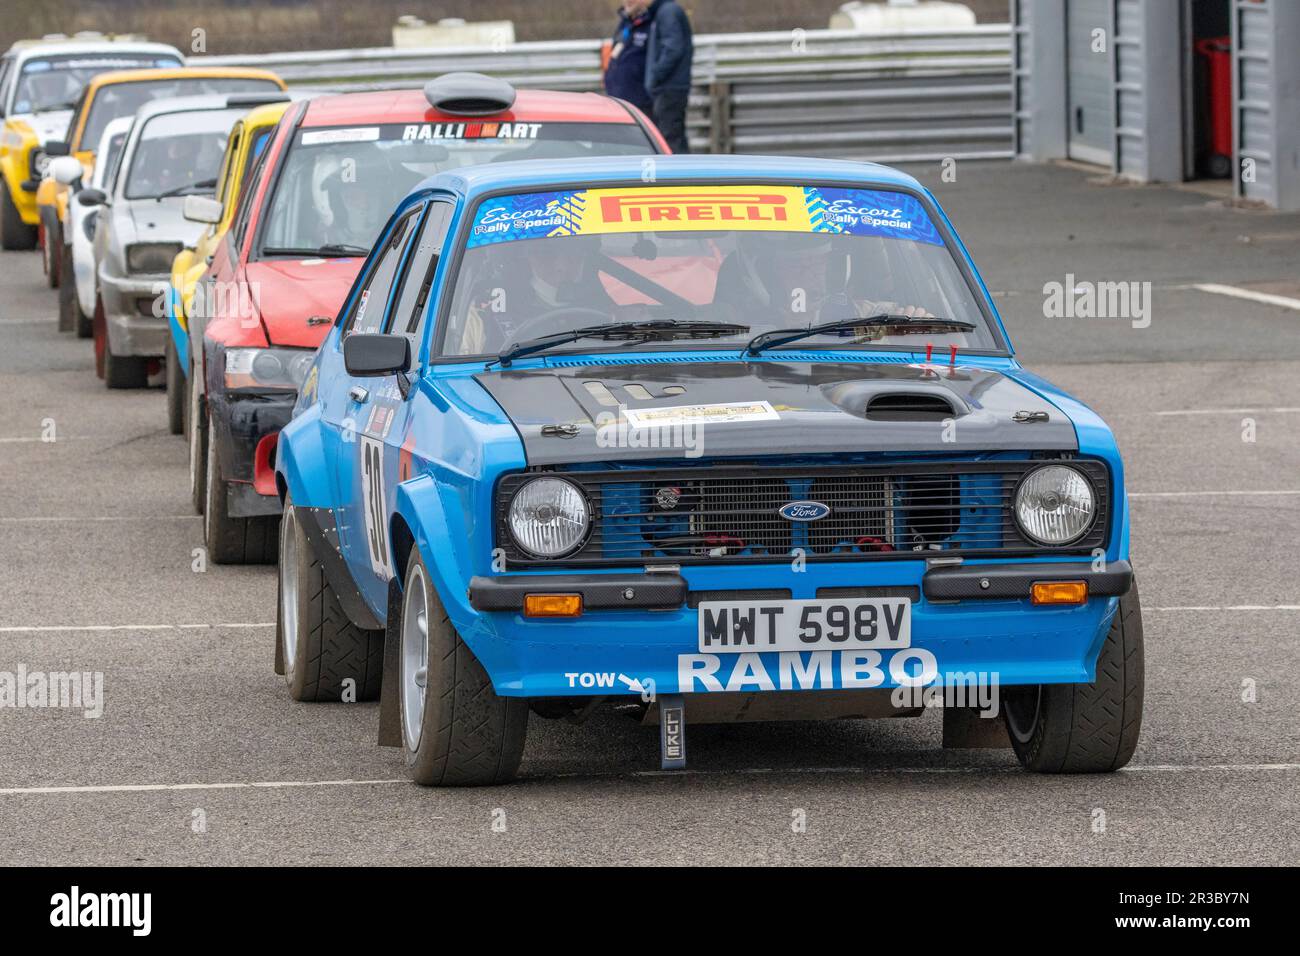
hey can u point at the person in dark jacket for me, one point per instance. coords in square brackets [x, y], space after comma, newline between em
[625, 75]
[669, 53]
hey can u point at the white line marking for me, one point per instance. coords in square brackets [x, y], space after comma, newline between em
[89, 628]
[1231, 607]
[55, 519]
[749, 771]
[1280, 410]
[150, 787]
[1210, 494]
[885, 771]
[1264, 297]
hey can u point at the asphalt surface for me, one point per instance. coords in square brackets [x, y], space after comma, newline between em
[201, 758]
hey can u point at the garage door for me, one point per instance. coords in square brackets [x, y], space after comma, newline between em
[1090, 87]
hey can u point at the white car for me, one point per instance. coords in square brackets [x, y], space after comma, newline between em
[173, 150]
[77, 298]
[40, 81]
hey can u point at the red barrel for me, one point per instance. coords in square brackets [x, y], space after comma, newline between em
[1217, 53]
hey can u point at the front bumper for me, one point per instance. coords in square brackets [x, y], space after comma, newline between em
[135, 313]
[245, 427]
[996, 633]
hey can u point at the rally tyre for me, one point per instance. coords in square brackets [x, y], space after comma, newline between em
[1085, 728]
[68, 307]
[196, 430]
[175, 390]
[83, 324]
[233, 540]
[124, 371]
[15, 235]
[456, 730]
[51, 246]
[326, 657]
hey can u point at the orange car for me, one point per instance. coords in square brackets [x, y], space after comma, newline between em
[121, 93]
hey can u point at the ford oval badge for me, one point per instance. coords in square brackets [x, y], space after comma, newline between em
[804, 510]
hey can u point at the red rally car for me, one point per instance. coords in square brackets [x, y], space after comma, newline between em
[333, 172]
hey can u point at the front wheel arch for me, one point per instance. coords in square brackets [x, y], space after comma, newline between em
[401, 540]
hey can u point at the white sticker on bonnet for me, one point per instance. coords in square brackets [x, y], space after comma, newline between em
[701, 414]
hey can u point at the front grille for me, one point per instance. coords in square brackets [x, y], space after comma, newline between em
[708, 514]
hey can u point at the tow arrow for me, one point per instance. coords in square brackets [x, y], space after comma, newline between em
[633, 685]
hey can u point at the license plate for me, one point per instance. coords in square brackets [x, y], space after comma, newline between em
[823, 624]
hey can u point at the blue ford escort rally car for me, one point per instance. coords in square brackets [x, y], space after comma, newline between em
[726, 438]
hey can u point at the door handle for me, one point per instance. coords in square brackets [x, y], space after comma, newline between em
[359, 394]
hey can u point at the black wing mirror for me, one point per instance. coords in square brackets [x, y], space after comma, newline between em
[92, 197]
[56, 147]
[369, 355]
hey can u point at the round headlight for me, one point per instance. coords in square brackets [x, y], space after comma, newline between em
[1055, 505]
[549, 517]
[40, 163]
[267, 367]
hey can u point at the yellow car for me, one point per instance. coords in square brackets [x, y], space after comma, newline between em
[248, 138]
[40, 81]
[121, 93]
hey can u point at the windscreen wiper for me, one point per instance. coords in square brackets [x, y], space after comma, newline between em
[904, 323]
[658, 329]
[327, 251]
[203, 185]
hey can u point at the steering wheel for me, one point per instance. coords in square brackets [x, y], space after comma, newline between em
[526, 331]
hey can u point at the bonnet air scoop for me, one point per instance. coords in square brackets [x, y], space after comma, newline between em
[898, 399]
[906, 407]
[469, 94]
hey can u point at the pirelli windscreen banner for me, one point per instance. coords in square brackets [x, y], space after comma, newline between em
[586, 212]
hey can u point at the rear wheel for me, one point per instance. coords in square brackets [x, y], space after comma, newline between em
[99, 332]
[51, 249]
[456, 730]
[1085, 728]
[83, 324]
[233, 540]
[196, 429]
[15, 235]
[68, 307]
[124, 371]
[320, 647]
[175, 390]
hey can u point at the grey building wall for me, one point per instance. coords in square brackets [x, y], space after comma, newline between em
[1266, 101]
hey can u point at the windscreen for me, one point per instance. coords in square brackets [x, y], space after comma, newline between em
[55, 82]
[760, 257]
[179, 154]
[123, 99]
[339, 185]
